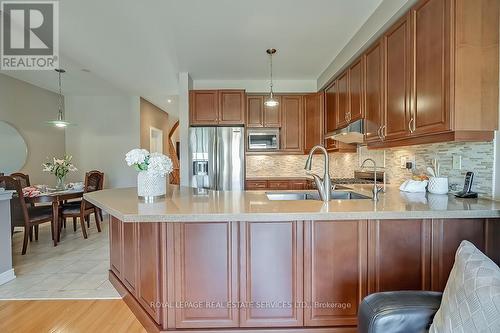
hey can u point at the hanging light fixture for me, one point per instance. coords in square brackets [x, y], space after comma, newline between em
[271, 101]
[60, 121]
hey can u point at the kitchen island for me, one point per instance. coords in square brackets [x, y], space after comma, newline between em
[237, 261]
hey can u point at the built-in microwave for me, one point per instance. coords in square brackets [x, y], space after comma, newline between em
[263, 139]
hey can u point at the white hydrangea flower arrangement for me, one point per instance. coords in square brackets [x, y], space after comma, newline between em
[152, 167]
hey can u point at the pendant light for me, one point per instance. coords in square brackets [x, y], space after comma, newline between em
[60, 121]
[271, 101]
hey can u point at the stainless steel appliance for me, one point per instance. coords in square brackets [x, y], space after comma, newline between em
[352, 133]
[216, 158]
[263, 139]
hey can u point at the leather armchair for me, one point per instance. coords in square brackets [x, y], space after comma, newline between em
[398, 312]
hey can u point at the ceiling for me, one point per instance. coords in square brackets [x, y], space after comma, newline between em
[139, 47]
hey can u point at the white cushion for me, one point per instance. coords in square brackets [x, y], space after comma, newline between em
[471, 299]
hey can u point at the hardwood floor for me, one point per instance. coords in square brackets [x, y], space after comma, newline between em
[67, 316]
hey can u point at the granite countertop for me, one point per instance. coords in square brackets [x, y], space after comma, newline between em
[184, 204]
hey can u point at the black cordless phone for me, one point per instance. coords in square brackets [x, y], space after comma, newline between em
[466, 192]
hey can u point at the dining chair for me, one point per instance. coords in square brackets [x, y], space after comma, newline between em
[23, 215]
[24, 179]
[94, 181]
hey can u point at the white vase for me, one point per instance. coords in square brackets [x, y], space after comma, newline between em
[151, 186]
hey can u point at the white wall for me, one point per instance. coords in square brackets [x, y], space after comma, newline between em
[107, 128]
[27, 108]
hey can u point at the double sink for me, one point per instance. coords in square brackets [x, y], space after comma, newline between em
[309, 195]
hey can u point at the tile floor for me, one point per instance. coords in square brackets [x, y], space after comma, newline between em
[76, 269]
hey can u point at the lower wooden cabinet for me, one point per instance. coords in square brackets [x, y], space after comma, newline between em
[135, 260]
[271, 274]
[149, 268]
[335, 259]
[399, 255]
[206, 274]
[283, 274]
[115, 246]
[274, 184]
[129, 272]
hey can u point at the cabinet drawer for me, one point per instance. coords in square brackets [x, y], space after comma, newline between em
[298, 185]
[278, 185]
[256, 185]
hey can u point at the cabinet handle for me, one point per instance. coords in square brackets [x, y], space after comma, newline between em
[378, 133]
[382, 132]
[411, 127]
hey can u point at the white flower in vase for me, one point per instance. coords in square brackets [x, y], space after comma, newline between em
[152, 167]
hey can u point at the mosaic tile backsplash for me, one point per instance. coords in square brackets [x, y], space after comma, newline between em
[476, 156]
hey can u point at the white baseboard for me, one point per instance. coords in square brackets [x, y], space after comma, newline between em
[7, 276]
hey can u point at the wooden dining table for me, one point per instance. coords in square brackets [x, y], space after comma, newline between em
[55, 198]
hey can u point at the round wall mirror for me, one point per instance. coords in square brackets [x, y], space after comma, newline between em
[13, 149]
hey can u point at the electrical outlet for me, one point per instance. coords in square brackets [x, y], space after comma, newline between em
[403, 162]
[457, 162]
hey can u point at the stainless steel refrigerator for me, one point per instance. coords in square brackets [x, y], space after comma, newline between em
[217, 158]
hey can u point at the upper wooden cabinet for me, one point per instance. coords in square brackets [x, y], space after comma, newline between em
[356, 75]
[292, 123]
[214, 107]
[260, 115]
[313, 120]
[331, 107]
[432, 78]
[397, 81]
[374, 116]
[273, 114]
[255, 111]
[231, 107]
[343, 100]
[203, 107]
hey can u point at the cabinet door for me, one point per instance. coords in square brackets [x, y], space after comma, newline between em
[115, 248]
[129, 271]
[373, 93]
[255, 111]
[331, 107]
[356, 90]
[292, 133]
[343, 99]
[313, 120]
[396, 81]
[297, 185]
[231, 107]
[334, 271]
[148, 273]
[272, 115]
[399, 255]
[271, 273]
[203, 107]
[431, 66]
[206, 270]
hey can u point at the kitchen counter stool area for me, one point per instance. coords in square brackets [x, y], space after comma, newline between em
[286, 276]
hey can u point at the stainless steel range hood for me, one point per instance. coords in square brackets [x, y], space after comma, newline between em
[353, 133]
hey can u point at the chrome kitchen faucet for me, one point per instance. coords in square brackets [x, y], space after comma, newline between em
[324, 185]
